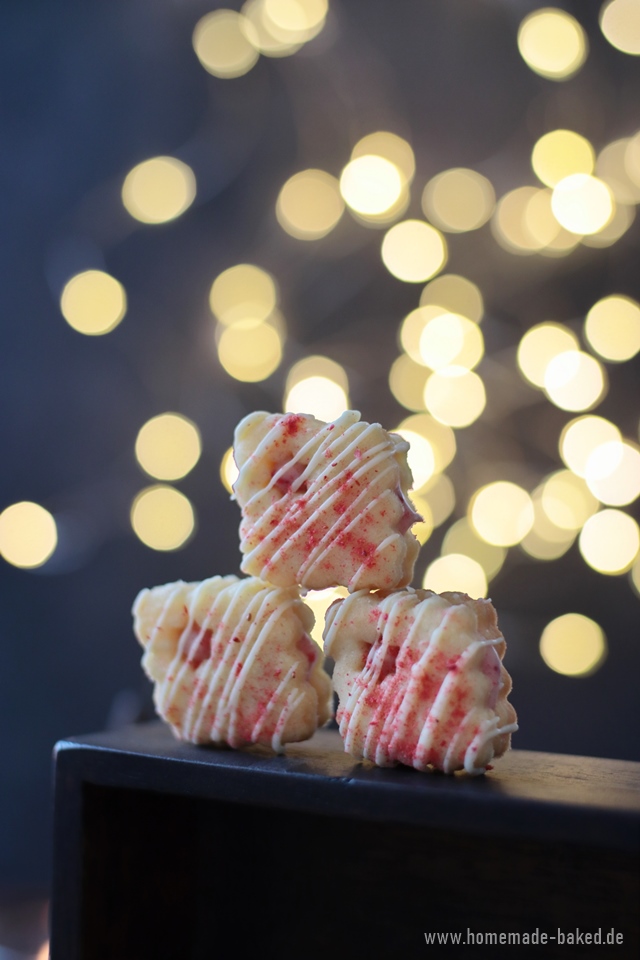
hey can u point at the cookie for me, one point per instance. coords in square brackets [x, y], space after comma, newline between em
[233, 662]
[420, 679]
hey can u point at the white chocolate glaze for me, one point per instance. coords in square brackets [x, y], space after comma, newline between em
[324, 504]
[420, 679]
[233, 661]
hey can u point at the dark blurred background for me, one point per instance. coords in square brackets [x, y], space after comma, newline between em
[89, 91]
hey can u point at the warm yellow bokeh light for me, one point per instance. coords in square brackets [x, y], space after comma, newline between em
[93, 302]
[623, 217]
[462, 538]
[451, 340]
[501, 513]
[580, 437]
[509, 222]
[407, 380]
[226, 43]
[250, 352]
[634, 576]
[552, 43]
[422, 529]
[414, 251]
[560, 153]
[317, 365]
[320, 601]
[441, 437]
[609, 541]
[612, 328]
[455, 294]
[439, 496]
[612, 166]
[632, 159]
[573, 645]
[243, 292]
[391, 147]
[269, 39]
[370, 184]
[412, 326]
[300, 20]
[168, 446]
[309, 205]
[420, 456]
[458, 573]
[228, 470]
[455, 396]
[575, 380]
[540, 344]
[458, 200]
[162, 518]
[567, 500]
[620, 23]
[158, 190]
[613, 473]
[545, 540]
[582, 204]
[318, 395]
[28, 534]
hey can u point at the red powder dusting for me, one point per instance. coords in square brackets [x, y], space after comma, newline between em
[238, 667]
[236, 640]
[292, 423]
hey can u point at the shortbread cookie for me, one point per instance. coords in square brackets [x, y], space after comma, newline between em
[324, 504]
[420, 679]
[233, 661]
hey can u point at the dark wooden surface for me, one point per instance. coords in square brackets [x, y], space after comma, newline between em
[163, 847]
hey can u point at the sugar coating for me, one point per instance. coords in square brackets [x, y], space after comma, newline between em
[233, 661]
[324, 504]
[420, 679]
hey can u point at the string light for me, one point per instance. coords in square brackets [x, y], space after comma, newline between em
[159, 190]
[420, 456]
[168, 446]
[501, 513]
[439, 496]
[226, 43]
[552, 43]
[613, 473]
[574, 380]
[309, 205]
[455, 396]
[391, 147]
[28, 534]
[162, 518]
[319, 386]
[457, 572]
[612, 328]
[567, 500]
[407, 380]
[462, 538]
[455, 294]
[458, 200]
[581, 436]
[414, 251]
[250, 352]
[609, 541]
[538, 347]
[93, 302]
[573, 645]
[545, 540]
[370, 184]
[267, 38]
[582, 204]
[243, 292]
[560, 153]
[441, 438]
[620, 23]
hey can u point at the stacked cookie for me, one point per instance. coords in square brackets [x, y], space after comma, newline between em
[419, 676]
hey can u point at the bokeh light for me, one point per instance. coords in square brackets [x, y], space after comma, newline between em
[317, 395]
[320, 601]
[250, 352]
[612, 166]
[560, 153]
[422, 529]
[613, 473]
[501, 513]
[309, 205]
[441, 438]
[299, 20]
[162, 518]
[439, 496]
[462, 538]
[159, 190]
[582, 204]
[612, 328]
[28, 534]
[574, 380]
[420, 456]
[552, 43]
[407, 380]
[567, 500]
[226, 43]
[509, 222]
[228, 470]
[573, 645]
[455, 396]
[93, 302]
[412, 327]
[396, 149]
[609, 541]
[581, 436]
[545, 540]
[634, 576]
[620, 23]
[243, 292]
[371, 184]
[538, 347]
[458, 573]
[451, 340]
[414, 251]
[268, 38]
[168, 446]
[458, 200]
[456, 294]
[623, 216]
